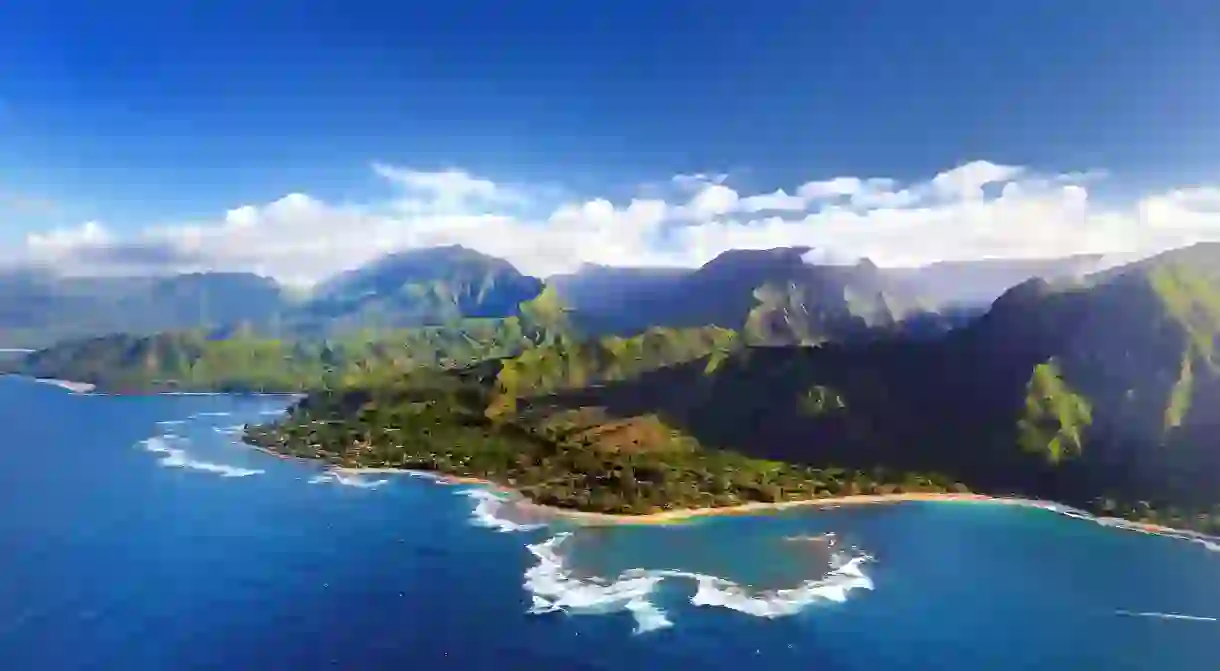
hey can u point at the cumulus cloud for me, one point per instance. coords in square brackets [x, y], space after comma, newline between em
[976, 210]
[777, 201]
[447, 186]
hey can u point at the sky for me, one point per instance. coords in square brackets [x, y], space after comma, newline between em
[298, 138]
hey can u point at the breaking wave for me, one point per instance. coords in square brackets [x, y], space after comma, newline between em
[489, 510]
[1167, 616]
[555, 588]
[346, 480]
[175, 457]
[1210, 543]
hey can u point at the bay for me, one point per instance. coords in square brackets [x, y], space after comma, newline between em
[139, 533]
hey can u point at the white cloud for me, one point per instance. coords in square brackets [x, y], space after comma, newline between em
[696, 181]
[778, 200]
[712, 200]
[948, 216]
[967, 181]
[831, 188]
[446, 185]
[64, 240]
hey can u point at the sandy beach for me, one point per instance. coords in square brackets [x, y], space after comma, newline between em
[586, 518]
[439, 477]
[760, 508]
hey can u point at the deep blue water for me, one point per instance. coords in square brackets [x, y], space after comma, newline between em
[207, 555]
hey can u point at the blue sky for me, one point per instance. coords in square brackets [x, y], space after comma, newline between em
[144, 117]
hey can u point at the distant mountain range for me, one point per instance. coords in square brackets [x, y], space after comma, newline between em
[772, 296]
[1097, 389]
[1104, 388]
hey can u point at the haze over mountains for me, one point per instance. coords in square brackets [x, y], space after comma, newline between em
[1075, 388]
[773, 294]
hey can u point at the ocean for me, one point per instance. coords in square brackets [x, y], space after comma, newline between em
[138, 533]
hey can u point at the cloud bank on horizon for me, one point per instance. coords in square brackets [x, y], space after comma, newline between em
[976, 210]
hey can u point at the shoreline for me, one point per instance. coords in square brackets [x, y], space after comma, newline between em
[678, 516]
[70, 385]
[763, 508]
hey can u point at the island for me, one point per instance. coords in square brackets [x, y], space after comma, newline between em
[1098, 394]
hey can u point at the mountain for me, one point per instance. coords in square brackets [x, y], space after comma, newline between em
[431, 286]
[979, 282]
[772, 295]
[37, 307]
[598, 290]
[1104, 388]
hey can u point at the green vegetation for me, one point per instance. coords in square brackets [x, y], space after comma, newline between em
[1055, 418]
[580, 459]
[193, 362]
[1095, 394]
[569, 364]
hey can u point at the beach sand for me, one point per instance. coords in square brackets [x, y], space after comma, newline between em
[585, 518]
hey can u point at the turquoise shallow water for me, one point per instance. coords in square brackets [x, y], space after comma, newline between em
[136, 533]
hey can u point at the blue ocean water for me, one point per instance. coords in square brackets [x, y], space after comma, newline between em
[136, 533]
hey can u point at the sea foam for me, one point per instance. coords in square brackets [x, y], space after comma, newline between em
[346, 480]
[487, 505]
[175, 457]
[553, 587]
[1167, 616]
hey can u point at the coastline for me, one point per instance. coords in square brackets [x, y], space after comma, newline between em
[70, 385]
[763, 508]
[678, 516]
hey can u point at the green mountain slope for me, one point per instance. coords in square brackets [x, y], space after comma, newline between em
[243, 362]
[1098, 393]
[432, 286]
[38, 308]
[772, 296]
[1074, 392]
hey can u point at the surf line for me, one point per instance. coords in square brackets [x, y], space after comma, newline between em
[1167, 616]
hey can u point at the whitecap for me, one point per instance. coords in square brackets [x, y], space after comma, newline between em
[174, 457]
[647, 616]
[346, 480]
[834, 587]
[553, 587]
[484, 513]
[1167, 616]
[1210, 543]
[70, 385]
[211, 414]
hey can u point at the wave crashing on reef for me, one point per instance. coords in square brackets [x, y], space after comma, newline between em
[346, 480]
[555, 588]
[490, 510]
[176, 457]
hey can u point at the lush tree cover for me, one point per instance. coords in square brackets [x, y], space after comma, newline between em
[1099, 394]
[193, 361]
[38, 309]
[425, 287]
[420, 287]
[1079, 393]
[582, 460]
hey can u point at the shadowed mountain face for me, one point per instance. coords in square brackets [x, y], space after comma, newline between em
[37, 308]
[1074, 391]
[437, 285]
[424, 287]
[975, 283]
[771, 295]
